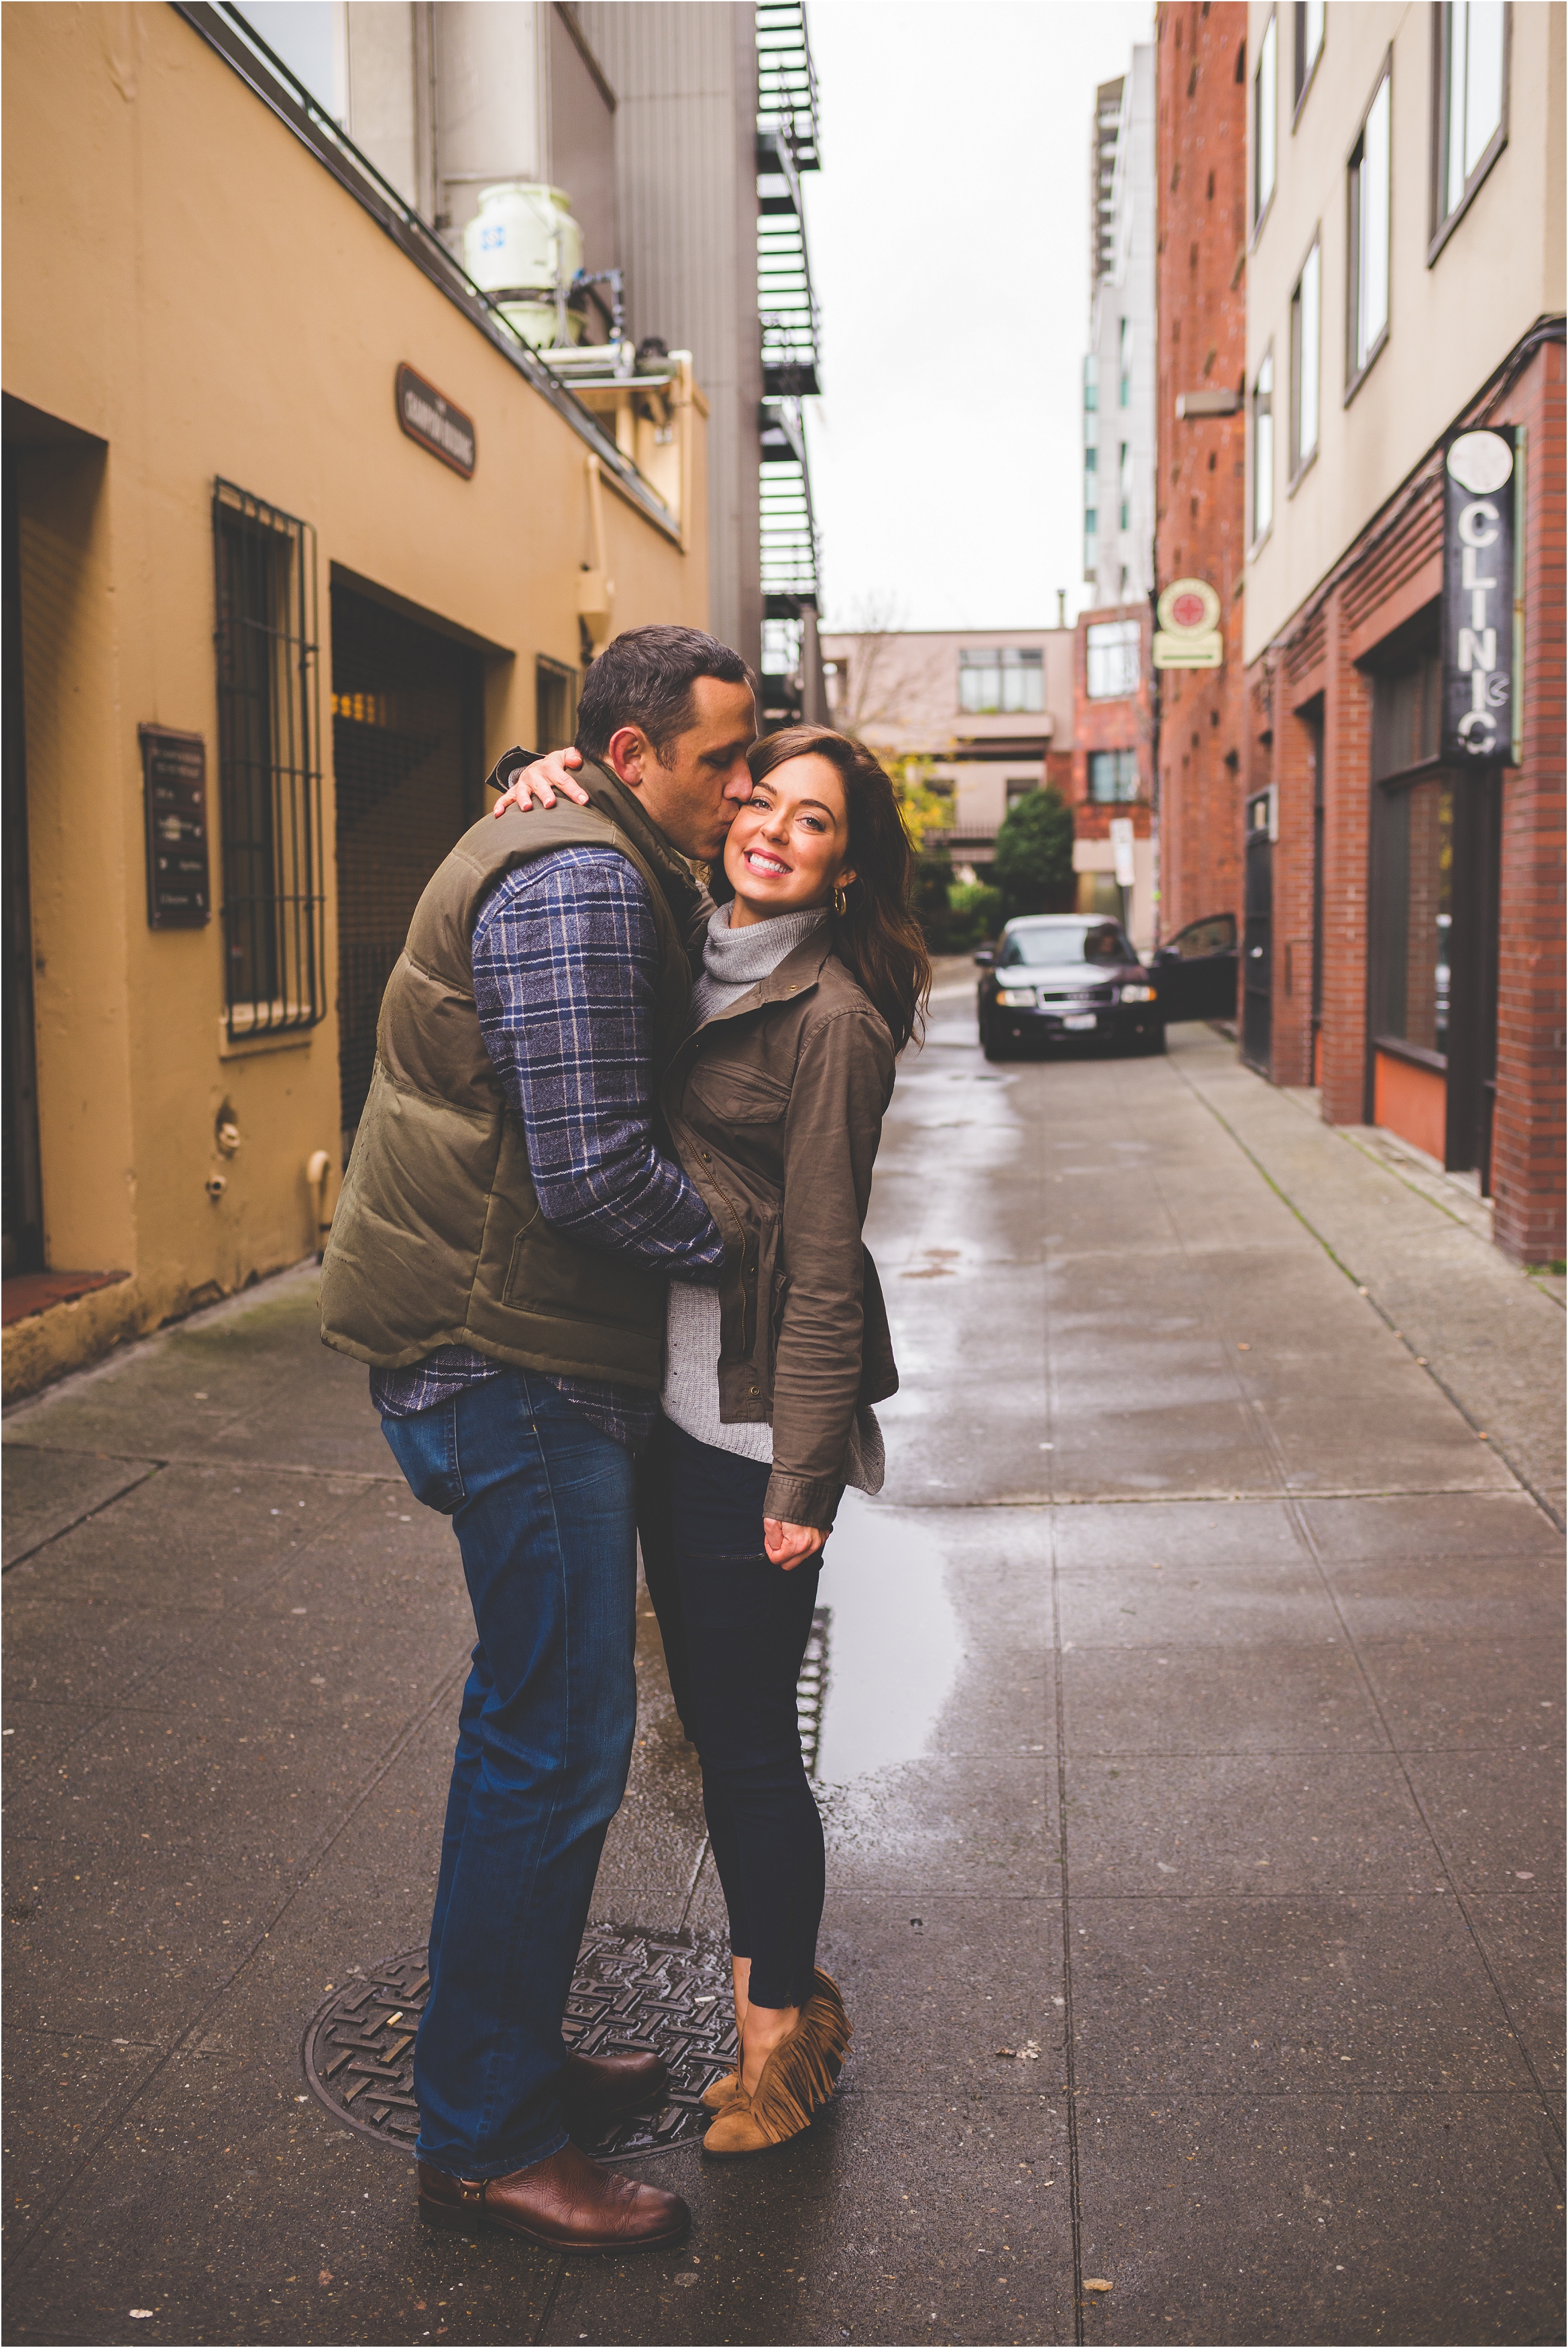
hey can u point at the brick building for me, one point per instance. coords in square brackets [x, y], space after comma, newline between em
[988, 712]
[1410, 895]
[1201, 494]
[1113, 764]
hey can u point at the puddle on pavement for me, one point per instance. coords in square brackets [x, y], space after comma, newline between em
[892, 1650]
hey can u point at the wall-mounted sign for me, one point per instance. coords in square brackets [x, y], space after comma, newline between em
[1478, 598]
[1188, 635]
[428, 417]
[1123, 851]
[174, 779]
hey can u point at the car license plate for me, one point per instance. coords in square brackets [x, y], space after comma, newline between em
[1079, 1019]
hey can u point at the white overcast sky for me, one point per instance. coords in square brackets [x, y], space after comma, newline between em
[949, 231]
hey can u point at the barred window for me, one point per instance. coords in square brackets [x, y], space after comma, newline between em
[555, 700]
[269, 765]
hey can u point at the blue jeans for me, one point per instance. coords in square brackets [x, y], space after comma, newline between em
[542, 1504]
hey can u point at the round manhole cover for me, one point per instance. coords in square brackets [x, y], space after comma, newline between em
[632, 1991]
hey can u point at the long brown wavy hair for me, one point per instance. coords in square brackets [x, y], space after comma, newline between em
[877, 937]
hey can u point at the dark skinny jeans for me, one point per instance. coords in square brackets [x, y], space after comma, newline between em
[734, 1628]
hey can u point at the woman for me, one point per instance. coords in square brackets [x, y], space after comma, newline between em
[813, 978]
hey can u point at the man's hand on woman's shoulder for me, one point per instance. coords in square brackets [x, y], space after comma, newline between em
[536, 785]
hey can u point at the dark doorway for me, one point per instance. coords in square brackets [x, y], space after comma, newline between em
[1314, 724]
[1258, 937]
[408, 752]
[23, 1219]
[1471, 991]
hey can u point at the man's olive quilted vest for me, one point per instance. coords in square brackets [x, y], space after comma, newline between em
[438, 1239]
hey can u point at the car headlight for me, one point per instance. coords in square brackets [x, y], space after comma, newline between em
[1137, 994]
[1016, 998]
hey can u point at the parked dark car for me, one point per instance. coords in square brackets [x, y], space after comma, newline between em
[1066, 979]
[1195, 973]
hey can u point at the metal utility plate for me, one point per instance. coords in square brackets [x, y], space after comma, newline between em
[633, 1992]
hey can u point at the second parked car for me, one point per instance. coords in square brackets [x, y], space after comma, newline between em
[1066, 979]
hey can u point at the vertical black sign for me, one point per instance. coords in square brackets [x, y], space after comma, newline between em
[174, 773]
[1478, 598]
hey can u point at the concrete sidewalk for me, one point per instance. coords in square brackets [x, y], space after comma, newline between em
[1191, 1761]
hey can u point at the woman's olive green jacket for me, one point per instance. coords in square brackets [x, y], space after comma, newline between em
[775, 1106]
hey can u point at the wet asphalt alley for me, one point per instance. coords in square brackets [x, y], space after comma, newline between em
[1191, 1758]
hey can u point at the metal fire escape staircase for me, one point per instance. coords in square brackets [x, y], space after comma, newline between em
[787, 146]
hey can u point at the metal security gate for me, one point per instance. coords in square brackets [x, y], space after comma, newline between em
[1257, 936]
[408, 752]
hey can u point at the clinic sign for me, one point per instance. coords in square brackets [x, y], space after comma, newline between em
[1478, 598]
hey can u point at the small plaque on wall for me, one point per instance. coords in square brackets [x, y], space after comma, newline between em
[174, 775]
[436, 422]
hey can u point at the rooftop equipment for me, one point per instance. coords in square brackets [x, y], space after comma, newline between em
[524, 248]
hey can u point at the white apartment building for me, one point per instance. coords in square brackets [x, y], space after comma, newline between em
[1118, 371]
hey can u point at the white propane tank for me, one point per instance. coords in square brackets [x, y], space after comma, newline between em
[523, 239]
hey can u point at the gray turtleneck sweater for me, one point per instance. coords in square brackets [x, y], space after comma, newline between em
[732, 963]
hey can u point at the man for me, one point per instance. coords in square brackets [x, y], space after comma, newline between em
[499, 1256]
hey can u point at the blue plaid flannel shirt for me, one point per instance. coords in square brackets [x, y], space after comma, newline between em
[565, 966]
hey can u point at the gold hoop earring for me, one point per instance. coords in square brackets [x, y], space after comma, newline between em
[840, 902]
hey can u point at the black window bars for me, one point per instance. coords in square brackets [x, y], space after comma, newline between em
[269, 765]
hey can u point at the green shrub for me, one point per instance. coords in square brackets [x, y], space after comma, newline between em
[1034, 855]
[973, 913]
[933, 880]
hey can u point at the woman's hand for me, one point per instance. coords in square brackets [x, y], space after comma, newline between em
[790, 1545]
[541, 782]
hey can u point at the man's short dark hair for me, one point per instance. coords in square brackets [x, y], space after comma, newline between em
[645, 678]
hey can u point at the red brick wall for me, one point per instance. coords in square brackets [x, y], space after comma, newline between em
[1199, 495]
[1527, 1155]
[1317, 664]
[1111, 726]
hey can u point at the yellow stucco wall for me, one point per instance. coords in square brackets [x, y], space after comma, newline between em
[186, 284]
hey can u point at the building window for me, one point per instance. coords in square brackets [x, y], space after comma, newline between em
[1471, 87]
[1020, 787]
[1000, 684]
[1112, 652]
[555, 705]
[1305, 358]
[1413, 916]
[1124, 361]
[1091, 384]
[1310, 26]
[268, 765]
[1264, 121]
[1091, 546]
[1262, 449]
[1112, 776]
[1412, 861]
[1368, 272]
[1125, 485]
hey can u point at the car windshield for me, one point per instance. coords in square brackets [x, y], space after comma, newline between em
[1065, 941]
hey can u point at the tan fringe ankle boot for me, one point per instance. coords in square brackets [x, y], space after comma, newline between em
[723, 2093]
[797, 2079]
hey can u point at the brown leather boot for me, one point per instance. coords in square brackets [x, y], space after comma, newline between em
[597, 2087]
[565, 2203]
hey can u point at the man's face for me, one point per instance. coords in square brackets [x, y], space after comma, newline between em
[693, 792]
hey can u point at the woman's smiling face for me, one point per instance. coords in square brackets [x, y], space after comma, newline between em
[787, 847]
